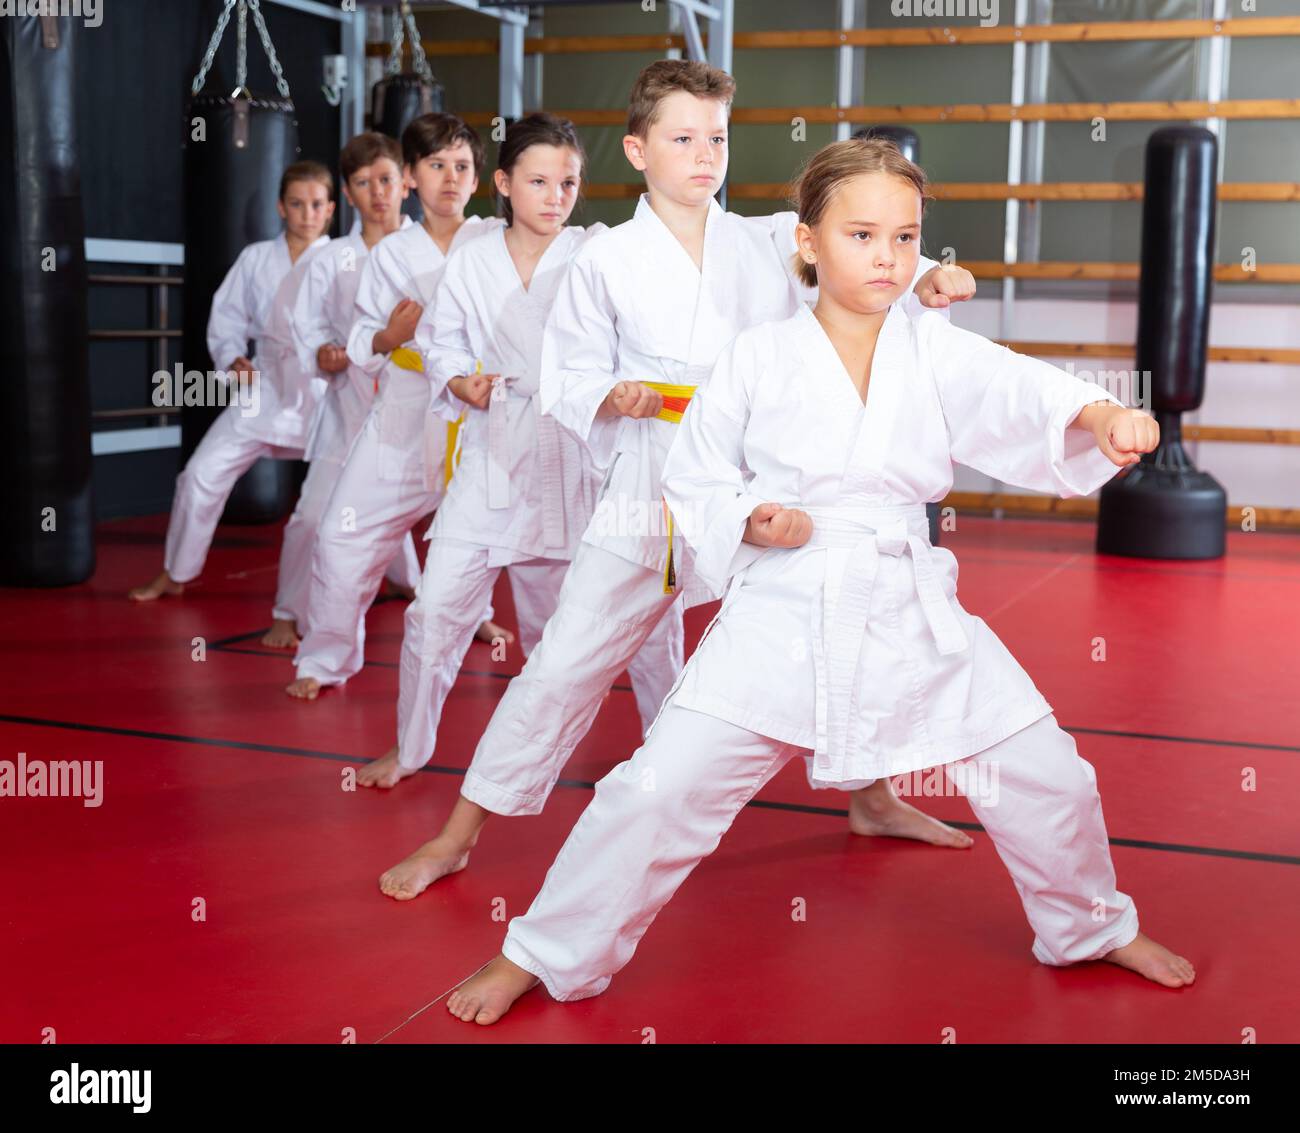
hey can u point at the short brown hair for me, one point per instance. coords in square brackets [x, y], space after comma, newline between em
[668, 76]
[831, 166]
[430, 133]
[365, 149]
[307, 171]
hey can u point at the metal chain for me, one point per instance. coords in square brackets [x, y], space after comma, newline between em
[241, 50]
[418, 58]
[280, 84]
[211, 52]
[393, 65]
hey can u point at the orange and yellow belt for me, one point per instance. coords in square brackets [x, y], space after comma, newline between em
[406, 359]
[676, 399]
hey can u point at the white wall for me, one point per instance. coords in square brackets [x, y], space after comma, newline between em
[1254, 395]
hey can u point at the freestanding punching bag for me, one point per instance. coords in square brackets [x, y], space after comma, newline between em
[237, 146]
[45, 457]
[909, 145]
[1163, 507]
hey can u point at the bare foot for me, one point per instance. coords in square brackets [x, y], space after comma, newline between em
[160, 587]
[283, 634]
[304, 688]
[385, 771]
[490, 631]
[489, 994]
[1154, 961]
[412, 876]
[876, 810]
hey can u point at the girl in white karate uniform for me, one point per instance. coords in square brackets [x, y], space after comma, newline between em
[371, 167]
[637, 316]
[394, 472]
[801, 475]
[525, 487]
[251, 305]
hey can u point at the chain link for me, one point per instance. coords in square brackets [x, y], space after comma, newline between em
[211, 52]
[393, 65]
[280, 84]
[241, 62]
[418, 58]
[241, 49]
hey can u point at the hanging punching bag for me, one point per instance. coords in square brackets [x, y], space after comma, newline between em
[903, 137]
[401, 97]
[398, 99]
[236, 149]
[45, 457]
[909, 144]
[1163, 507]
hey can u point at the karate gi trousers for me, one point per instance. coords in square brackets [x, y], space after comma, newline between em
[612, 615]
[440, 625]
[298, 545]
[655, 816]
[204, 485]
[362, 528]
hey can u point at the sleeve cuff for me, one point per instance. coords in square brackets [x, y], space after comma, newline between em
[722, 552]
[1077, 465]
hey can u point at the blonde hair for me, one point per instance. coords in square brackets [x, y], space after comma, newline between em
[668, 76]
[833, 165]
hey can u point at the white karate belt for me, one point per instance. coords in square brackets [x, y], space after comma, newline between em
[548, 456]
[867, 533]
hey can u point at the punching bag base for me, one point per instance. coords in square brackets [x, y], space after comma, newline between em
[1163, 513]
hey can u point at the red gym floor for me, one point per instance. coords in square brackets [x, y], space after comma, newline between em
[216, 785]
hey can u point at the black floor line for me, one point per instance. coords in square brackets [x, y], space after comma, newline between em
[581, 784]
[223, 648]
[1117, 734]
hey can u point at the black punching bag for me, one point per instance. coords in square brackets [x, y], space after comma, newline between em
[235, 151]
[1163, 507]
[398, 99]
[903, 137]
[45, 500]
[909, 145]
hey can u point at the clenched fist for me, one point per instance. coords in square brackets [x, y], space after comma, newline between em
[1123, 434]
[332, 359]
[473, 389]
[945, 284]
[401, 326]
[771, 525]
[630, 399]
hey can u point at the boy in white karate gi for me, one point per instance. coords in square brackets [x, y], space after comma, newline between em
[801, 475]
[394, 472]
[525, 487]
[375, 185]
[260, 285]
[643, 313]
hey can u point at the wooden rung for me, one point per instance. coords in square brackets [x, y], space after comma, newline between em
[1279, 354]
[1223, 273]
[1242, 436]
[1037, 112]
[950, 35]
[1054, 191]
[964, 112]
[1275, 518]
[996, 269]
[935, 36]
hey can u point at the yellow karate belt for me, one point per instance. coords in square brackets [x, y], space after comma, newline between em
[676, 399]
[407, 359]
